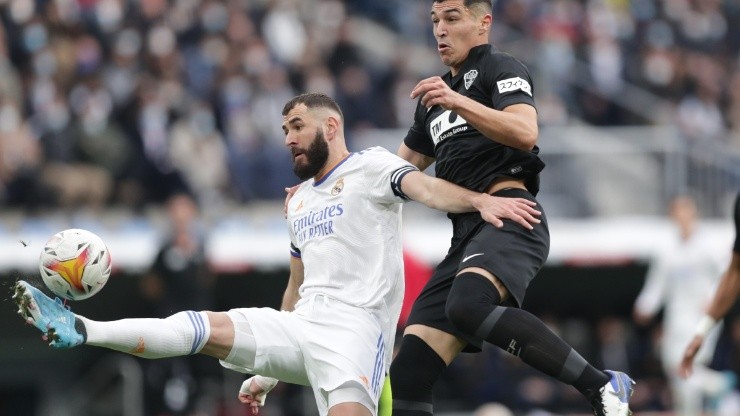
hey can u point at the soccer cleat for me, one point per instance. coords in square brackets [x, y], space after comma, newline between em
[613, 399]
[49, 316]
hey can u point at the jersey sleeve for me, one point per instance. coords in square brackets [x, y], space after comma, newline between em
[736, 248]
[416, 139]
[294, 250]
[509, 82]
[653, 293]
[383, 173]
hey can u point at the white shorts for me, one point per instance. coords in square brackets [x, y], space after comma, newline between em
[338, 349]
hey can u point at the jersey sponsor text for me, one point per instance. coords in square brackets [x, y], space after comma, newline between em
[317, 223]
[445, 125]
[513, 84]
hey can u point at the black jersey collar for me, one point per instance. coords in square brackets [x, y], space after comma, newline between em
[470, 63]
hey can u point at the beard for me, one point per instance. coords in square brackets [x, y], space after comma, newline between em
[316, 156]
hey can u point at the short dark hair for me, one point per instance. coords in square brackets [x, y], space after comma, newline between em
[313, 100]
[487, 5]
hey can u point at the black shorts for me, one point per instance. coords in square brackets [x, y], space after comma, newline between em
[512, 253]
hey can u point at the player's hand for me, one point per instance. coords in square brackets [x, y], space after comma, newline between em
[434, 91]
[641, 319]
[290, 192]
[254, 392]
[687, 362]
[495, 209]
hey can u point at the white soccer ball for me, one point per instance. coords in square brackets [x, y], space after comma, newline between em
[75, 264]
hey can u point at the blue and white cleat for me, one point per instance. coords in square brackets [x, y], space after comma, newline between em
[49, 316]
[613, 399]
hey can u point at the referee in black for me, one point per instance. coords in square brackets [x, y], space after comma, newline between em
[479, 123]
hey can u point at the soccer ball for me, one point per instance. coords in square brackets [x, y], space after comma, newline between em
[75, 264]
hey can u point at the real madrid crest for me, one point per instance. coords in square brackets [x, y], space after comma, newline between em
[470, 77]
[338, 187]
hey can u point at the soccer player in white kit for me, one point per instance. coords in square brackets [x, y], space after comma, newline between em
[726, 294]
[339, 312]
[682, 278]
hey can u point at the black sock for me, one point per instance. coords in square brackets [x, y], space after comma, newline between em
[473, 307]
[413, 373]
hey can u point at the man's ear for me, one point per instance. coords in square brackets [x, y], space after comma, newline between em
[485, 24]
[332, 126]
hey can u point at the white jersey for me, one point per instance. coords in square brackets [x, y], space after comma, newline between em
[346, 228]
[682, 279]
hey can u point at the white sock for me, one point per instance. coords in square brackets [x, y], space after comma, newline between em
[183, 333]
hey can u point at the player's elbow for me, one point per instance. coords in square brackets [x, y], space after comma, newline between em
[527, 138]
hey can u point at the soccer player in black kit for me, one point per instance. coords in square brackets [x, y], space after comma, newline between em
[725, 296]
[479, 123]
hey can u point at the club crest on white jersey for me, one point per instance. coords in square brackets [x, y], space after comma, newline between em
[445, 125]
[513, 84]
[338, 187]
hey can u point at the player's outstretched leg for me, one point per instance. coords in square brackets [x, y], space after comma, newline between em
[473, 306]
[50, 316]
[613, 399]
[184, 333]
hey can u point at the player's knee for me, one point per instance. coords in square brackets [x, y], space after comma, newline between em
[350, 398]
[470, 301]
[192, 328]
[221, 336]
[402, 372]
[415, 370]
[459, 312]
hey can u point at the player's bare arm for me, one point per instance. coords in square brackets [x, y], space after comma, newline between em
[445, 196]
[417, 159]
[728, 290]
[515, 126]
[291, 296]
[725, 296]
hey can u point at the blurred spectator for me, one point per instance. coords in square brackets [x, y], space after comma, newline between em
[10, 82]
[180, 279]
[198, 151]
[614, 341]
[74, 171]
[20, 159]
[149, 126]
[699, 113]
[493, 409]
[733, 112]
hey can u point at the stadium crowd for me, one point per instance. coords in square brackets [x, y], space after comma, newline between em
[122, 103]
[116, 102]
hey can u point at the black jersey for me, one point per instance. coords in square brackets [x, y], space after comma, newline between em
[737, 224]
[463, 155]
